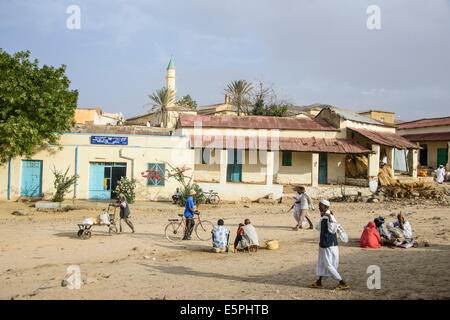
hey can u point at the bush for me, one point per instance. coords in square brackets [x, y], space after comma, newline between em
[126, 186]
[198, 198]
[62, 184]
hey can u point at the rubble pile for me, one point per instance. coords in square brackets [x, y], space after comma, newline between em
[415, 190]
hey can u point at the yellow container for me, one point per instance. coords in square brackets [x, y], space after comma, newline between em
[272, 244]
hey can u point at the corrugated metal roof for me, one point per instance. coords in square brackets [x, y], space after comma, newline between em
[435, 136]
[330, 145]
[386, 139]
[256, 122]
[138, 130]
[431, 122]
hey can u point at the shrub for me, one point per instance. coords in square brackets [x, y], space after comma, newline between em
[62, 184]
[198, 198]
[127, 187]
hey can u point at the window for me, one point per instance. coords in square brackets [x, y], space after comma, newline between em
[155, 174]
[287, 159]
[382, 119]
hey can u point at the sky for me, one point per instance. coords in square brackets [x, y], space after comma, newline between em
[311, 51]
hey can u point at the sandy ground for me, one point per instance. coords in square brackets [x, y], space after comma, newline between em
[36, 250]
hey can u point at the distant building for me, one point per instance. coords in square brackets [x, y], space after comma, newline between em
[220, 109]
[383, 116]
[97, 116]
[433, 135]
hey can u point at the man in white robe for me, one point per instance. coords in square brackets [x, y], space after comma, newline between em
[328, 261]
[302, 204]
[440, 174]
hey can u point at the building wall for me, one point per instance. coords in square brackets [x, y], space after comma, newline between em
[143, 149]
[336, 168]
[432, 147]
[380, 116]
[298, 173]
[423, 130]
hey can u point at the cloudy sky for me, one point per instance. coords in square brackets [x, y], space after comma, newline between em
[310, 50]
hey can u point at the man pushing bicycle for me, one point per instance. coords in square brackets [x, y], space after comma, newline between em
[189, 212]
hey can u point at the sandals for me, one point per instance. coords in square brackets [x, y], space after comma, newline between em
[315, 286]
[341, 287]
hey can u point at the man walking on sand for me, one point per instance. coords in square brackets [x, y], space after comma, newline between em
[125, 213]
[328, 261]
[302, 204]
[189, 212]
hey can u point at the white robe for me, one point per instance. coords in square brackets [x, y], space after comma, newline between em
[328, 261]
[304, 203]
[440, 175]
[250, 237]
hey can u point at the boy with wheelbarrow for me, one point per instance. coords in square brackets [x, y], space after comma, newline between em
[125, 212]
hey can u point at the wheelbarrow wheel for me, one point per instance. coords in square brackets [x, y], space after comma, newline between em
[79, 233]
[86, 234]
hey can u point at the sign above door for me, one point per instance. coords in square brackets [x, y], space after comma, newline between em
[109, 140]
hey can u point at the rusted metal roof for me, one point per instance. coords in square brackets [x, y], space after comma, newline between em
[431, 122]
[330, 145]
[135, 130]
[435, 136]
[255, 122]
[386, 138]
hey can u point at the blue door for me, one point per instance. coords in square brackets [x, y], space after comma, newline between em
[323, 168]
[98, 185]
[234, 167]
[31, 185]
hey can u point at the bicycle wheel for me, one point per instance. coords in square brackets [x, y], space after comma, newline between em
[203, 230]
[215, 199]
[174, 231]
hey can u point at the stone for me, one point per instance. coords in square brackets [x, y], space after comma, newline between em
[64, 283]
[19, 213]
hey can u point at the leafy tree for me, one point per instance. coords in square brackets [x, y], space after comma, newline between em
[127, 188]
[240, 91]
[163, 98]
[266, 103]
[62, 184]
[35, 102]
[187, 101]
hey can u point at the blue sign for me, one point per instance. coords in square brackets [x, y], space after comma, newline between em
[109, 140]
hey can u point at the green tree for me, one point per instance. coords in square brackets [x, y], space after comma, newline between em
[187, 101]
[240, 91]
[266, 103]
[62, 184]
[127, 188]
[163, 98]
[35, 102]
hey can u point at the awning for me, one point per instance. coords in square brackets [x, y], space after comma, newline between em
[330, 145]
[434, 136]
[386, 138]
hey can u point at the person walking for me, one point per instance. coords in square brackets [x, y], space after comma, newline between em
[302, 204]
[189, 212]
[125, 213]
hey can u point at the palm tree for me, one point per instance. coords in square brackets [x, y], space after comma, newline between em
[163, 98]
[239, 90]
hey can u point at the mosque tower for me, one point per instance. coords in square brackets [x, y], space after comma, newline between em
[170, 75]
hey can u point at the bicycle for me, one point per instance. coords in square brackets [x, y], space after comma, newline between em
[212, 197]
[176, 228]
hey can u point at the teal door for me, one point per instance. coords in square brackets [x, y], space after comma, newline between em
[234, 167]
[98, 185]
[103, 177]
[31, 185]
[442, 156]
[323, 168]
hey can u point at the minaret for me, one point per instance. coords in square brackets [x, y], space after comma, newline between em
[170, 76]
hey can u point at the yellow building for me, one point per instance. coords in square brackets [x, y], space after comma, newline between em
[433, 135]
[383, 116]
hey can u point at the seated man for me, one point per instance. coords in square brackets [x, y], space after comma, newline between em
[370, 237]
[176, 196]
[246, 236]
[400, 232]
[220, 237]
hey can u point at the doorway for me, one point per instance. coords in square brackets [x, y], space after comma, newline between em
[442, 156]
[103, 178]
[423, 155]
[31, 185]
[323, 168]
[234, 166]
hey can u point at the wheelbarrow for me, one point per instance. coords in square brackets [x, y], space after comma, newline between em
[85, 233]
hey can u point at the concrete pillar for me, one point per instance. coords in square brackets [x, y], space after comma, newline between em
[374, 162]
[270, 157]
[314, 169]
[413, 161]
[223, 165]
[390, 154]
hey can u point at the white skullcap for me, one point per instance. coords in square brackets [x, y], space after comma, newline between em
[325, 202]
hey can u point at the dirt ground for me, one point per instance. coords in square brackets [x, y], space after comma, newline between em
[35, 251]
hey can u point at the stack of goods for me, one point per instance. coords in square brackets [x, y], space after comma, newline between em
[356, 166]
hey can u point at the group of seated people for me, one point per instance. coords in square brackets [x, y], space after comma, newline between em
[398, 233]
[246, 237]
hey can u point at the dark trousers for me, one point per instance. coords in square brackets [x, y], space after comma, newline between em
[189, 227]
[237, 240]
